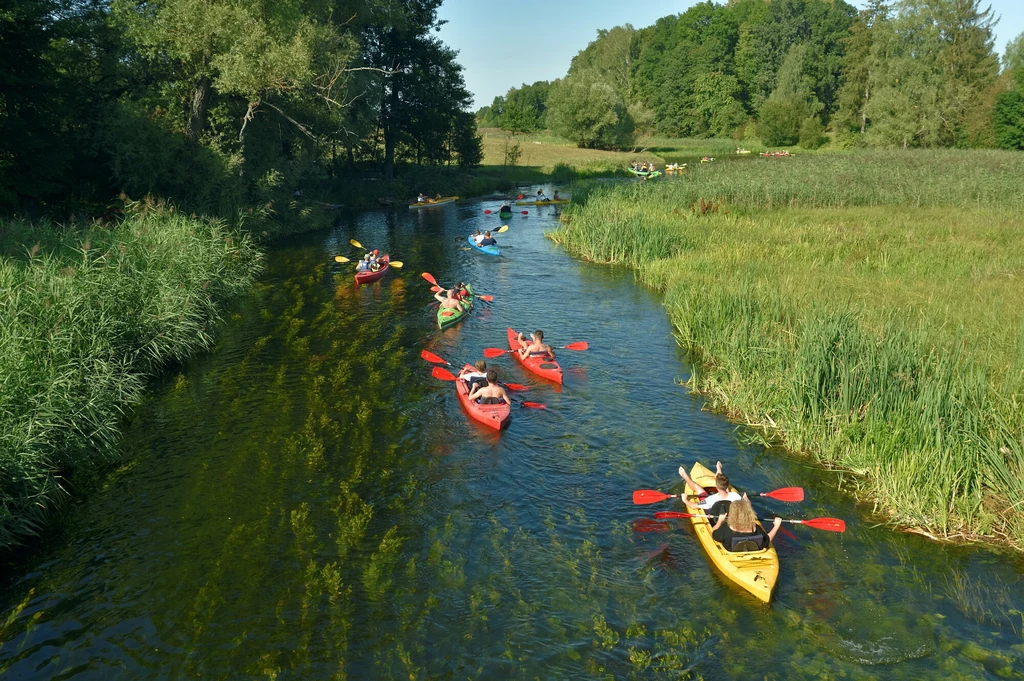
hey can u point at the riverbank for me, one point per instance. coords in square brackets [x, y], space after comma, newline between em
[862, 308]
[87, 315]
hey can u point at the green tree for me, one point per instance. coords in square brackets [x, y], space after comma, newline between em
[1008, 115]
[1013, 60]
[590, 112]
[855, 91]
[792, 103]
[525, 108]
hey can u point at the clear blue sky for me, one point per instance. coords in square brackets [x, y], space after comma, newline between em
[505, 44]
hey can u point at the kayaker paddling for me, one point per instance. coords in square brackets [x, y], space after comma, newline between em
[476, 377]
[738, 530]
[536, 347]
[505, 207]
[492, 393]
[477, 237]
[488, 240]
[722, 496]
[448, 300]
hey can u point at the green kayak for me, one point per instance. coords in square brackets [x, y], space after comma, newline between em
[446, 318]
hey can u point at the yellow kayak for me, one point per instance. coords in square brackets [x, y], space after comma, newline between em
[755, 571]
[549, 202]
[433, 202]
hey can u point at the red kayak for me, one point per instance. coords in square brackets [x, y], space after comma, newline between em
[496, 416]
[542, 366]
[367, 277]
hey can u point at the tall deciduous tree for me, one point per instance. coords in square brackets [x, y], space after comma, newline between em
[590, 112]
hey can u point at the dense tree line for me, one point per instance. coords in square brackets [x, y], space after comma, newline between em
[909, 73]
[219, 103]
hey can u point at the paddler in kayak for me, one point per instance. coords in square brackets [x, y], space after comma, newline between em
[540, 195]
[492, 393]
[488, 240]
[556, 197]
[738, 530]
[364, 264]
[535, 347]
[477, 377]
[505, 207]
[448, 300]
[722, 496]
[461, 292]
[477, 237]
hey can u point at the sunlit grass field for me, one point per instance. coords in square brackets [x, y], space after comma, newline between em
[863, 307]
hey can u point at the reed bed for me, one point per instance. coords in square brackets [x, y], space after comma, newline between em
[861, 308]
[86, 315]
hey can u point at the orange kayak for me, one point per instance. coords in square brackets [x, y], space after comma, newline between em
[542, 366]
[497, 416]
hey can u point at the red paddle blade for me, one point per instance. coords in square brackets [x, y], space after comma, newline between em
[649, 496]
[436, 289]
[429, 277]
[443, 374]
[534, 405]
[526, 212]
[580, 345]
[431, 357]
[487, 298]
[828, 524]
[487, 212]
[494, 352]
[516, 386]
[792, 494]
[520, 196]
[661, 515]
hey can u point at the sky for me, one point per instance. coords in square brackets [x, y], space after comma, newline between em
[503, 45]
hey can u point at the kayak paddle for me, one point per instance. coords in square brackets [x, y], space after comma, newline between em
[650, 496]
[445, 375]
[436, 359]
[498, 352]
[487, 212]
[355, 243]
[827, 524]
[341, 258]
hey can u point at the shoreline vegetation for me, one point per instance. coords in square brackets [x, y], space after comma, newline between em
[87, 316]
[862, 308]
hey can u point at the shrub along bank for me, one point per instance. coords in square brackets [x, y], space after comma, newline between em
[86, 315]
[862, 308]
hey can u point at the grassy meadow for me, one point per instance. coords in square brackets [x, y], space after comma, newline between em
[86, 315]
[863, 308]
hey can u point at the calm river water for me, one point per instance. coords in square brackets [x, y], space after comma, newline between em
[307, 502]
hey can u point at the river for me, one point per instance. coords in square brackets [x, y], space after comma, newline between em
[307, 502]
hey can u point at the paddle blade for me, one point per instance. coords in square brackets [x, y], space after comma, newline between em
[486, 298]
[340, 258]
[580, 345]
[502, 229]
[429, 277]
[649, 496]
[443, 374]
[526, 212]
[791, 494]
[495, 352]
[534, 405]
[355, 243]
[431, 357]
[827, 524]
[516, 386]
[520, 196]
[397, 263]
[661, 515]
[487, 212]
[436, 289]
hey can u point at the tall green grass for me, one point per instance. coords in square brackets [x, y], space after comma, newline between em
[863, 308]
[86, 315]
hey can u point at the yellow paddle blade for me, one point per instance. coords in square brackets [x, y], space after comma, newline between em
[355, 243]
[503, 228]
[397, 263]
[340, 258]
